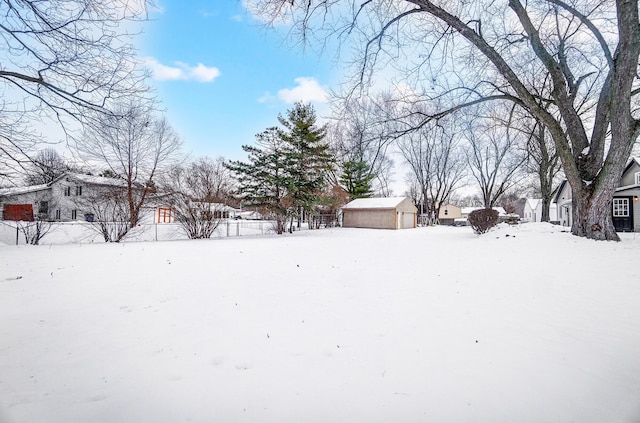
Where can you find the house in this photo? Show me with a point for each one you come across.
(532, 210)
(380, 213)
(64, 199)
(448, 214)
(625, 210)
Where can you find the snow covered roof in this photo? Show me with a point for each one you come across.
(95, 180)
(22, 190)
(374, 203)
(533, 202)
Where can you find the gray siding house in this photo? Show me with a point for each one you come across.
(625, 208)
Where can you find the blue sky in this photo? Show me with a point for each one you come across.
(222, 77)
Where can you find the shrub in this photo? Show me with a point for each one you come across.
(482, 220)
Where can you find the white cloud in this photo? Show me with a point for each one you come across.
(181, 71)
(307, 90)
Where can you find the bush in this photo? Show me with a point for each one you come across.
(482, 220)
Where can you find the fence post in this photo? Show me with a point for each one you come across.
(17, 234)
(228, 224)
(237, 228)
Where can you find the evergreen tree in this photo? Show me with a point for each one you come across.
(356, 179)
(308, 154)
(265, 180)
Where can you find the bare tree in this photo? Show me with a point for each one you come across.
(198, 193)
(358, 136)
(494, 159)
(46, 166)
(544, 162)
(437, 164)
(109, 210)
(62, 61)
(41, 225)
(135, 146)
(589, 48)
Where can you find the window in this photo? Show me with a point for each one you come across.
(67, 191)
(164, 215)
(57, 214)
(43, 208)
(74, 214)
(637, 178)
(79, 190)
(620, 207)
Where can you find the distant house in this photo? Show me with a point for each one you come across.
(380, 213)
(625, 211)
(63, 199)
(532, 210)
(448, 214)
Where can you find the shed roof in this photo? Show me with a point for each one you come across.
(375, 203)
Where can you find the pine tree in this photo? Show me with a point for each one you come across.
(265, 180)
(308, 154)
(356, 179)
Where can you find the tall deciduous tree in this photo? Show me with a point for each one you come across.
(437, 165)
(494, 157)
(358, 135)
(62, 61)
(45, 167)
(472, 52)
(135, 146)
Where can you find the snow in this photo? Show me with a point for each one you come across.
(371, 203)
(526, 323)
(22, 190)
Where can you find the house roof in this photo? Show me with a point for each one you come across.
(22, 190)
(93, 180)
(533, 202)
(632, 160)
(559, 191)
(374, 203)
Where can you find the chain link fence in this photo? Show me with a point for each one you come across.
(11, 233)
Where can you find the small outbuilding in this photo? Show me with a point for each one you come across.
(380, 213)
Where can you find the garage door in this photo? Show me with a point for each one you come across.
(407, 220)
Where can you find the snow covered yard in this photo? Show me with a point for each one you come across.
(524, 324)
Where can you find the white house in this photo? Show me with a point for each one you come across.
(63, 199)
(533, 210)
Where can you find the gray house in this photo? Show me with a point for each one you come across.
(380, 213)
(625, 209)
